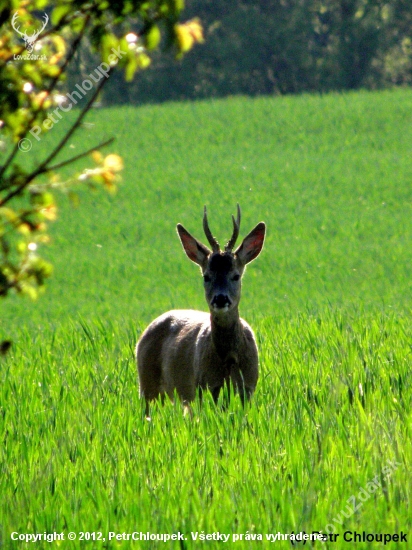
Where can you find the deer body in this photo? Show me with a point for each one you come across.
(183, 350)
(177, 346)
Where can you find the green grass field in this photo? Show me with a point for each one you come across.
(325, 444)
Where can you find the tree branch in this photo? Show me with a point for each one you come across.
(44, 165)
(48, 91)
(77, 157)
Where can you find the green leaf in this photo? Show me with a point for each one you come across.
(152, 38)
(179, 5)
(42, 199)
(131, 68)
(143, 61)
(60, 12)
(108, 42)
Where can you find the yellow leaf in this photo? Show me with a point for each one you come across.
(9, 214)
(189, 33)
(114, 163)
(24, 229)
(184, 38)
(97, 156)
(50, 213)
(196, 30)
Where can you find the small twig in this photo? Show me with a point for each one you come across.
(77, 157)
(69, 134)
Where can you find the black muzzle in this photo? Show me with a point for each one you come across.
(220, 301)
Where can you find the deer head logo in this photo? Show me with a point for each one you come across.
(29, 40)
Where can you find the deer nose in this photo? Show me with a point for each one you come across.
(220, 301)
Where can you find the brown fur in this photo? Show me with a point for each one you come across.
(183, 350)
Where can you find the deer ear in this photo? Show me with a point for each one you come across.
(252, 244)
(195, 250)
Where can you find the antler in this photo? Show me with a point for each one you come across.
(35, 34)
(29, 39)
(212, 241)
(235, 235)
(46, 20)
(13, 23)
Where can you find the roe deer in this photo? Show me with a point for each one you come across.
(184, 350)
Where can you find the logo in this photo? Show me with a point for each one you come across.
(29, 40)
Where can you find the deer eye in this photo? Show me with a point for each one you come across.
(236, 277)
(206, 278)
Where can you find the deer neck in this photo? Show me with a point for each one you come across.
(226, 333)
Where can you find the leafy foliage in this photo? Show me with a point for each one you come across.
(293, 46)
(32, 77)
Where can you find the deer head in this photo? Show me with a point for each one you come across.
(222, 270)
(29, 40)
